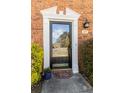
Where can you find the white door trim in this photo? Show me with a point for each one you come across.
(51, 15)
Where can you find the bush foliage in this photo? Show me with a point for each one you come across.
(36, 65)
(88, 60)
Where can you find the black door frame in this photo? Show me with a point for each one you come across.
(70, 30)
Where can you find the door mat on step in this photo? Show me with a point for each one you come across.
(62, 74)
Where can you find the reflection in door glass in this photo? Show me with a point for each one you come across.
(60, 40)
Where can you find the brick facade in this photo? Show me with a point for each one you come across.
(83, 7)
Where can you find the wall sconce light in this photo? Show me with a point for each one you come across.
(85, 26)
(86, 23)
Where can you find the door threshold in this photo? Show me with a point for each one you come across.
(61, 69)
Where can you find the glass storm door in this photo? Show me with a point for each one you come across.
(60, 44)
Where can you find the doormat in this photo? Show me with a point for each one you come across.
(62, 74)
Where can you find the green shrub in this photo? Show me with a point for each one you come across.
(35, 77)
(88, 60)
(36, 66)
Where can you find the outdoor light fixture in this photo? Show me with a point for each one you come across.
(86, 23)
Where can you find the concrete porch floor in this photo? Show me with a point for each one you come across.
(75, 84)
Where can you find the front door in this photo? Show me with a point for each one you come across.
(60, 44)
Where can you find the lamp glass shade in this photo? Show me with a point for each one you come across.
(86, 25)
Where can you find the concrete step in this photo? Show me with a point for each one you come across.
(62, 73)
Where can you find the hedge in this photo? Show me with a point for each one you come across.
(36, 64)
(88, 60)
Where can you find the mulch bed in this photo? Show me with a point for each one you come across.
(37, 87)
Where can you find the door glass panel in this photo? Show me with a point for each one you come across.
(60, 40)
